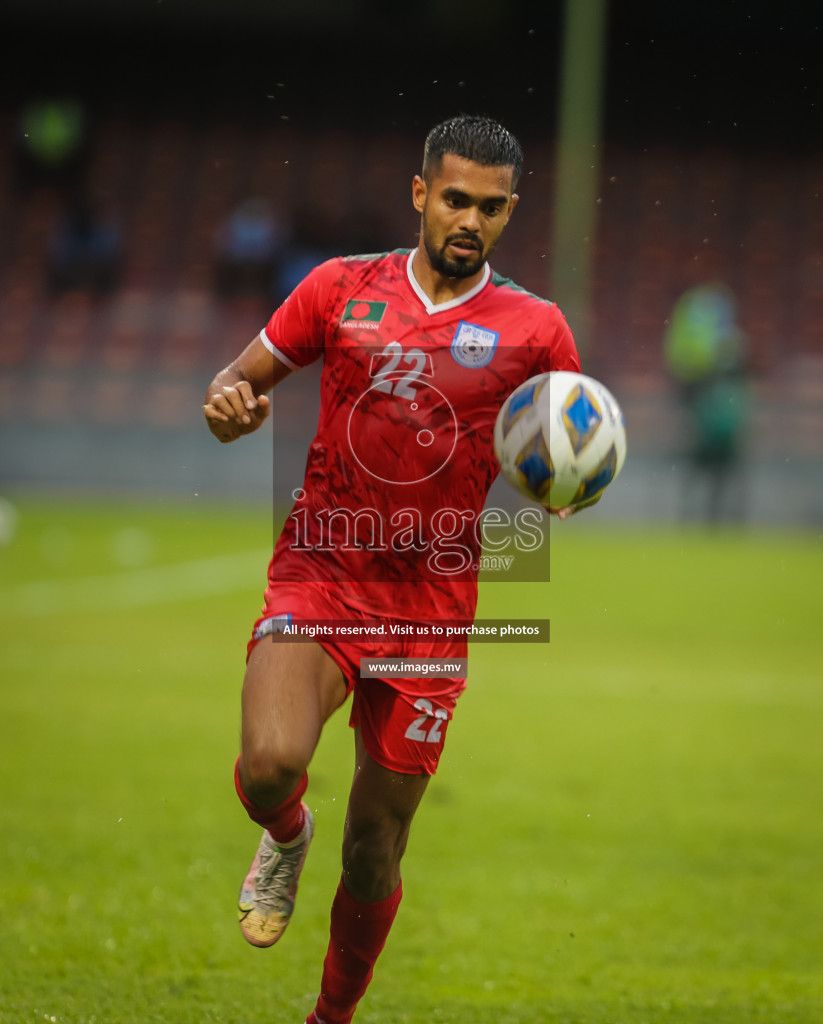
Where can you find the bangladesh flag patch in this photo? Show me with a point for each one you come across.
(363, 313)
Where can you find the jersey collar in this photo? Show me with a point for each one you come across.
(439, 307)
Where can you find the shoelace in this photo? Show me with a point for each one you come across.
(272, 884)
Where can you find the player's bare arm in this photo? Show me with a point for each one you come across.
(236, 401)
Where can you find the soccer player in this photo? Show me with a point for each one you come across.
(420, 349)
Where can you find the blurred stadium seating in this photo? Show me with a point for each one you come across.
(667, 217)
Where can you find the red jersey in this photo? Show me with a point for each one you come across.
(403, 459)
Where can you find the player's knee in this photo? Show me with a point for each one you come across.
(267, 777)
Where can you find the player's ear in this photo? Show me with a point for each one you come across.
(515, 199)
(419, 192)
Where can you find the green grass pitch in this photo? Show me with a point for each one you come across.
(626, 827)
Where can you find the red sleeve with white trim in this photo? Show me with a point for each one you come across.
(296, 332)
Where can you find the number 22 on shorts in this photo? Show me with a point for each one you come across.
(416, 730)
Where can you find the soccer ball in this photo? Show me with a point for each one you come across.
(560, 438)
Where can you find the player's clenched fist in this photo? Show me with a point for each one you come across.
(232, 410)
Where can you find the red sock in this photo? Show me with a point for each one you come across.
(283, 822)
(358, 934)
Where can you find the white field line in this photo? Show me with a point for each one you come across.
(163, 584)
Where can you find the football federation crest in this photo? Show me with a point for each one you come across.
(473, 346)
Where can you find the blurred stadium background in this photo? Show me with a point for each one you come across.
(710, 165)
(670, 735)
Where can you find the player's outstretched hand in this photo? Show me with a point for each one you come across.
(232, 410)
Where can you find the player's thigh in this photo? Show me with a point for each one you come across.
(289, 692)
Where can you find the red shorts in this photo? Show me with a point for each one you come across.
(402, 721)
(401, 732)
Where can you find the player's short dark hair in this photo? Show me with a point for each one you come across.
(476, 138)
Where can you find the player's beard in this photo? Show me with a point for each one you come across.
(448, 267)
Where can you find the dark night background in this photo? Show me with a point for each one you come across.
(745, 73)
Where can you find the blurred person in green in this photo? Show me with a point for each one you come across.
(706, 353)
(52, 144)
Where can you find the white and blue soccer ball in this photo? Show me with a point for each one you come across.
(560, 438)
